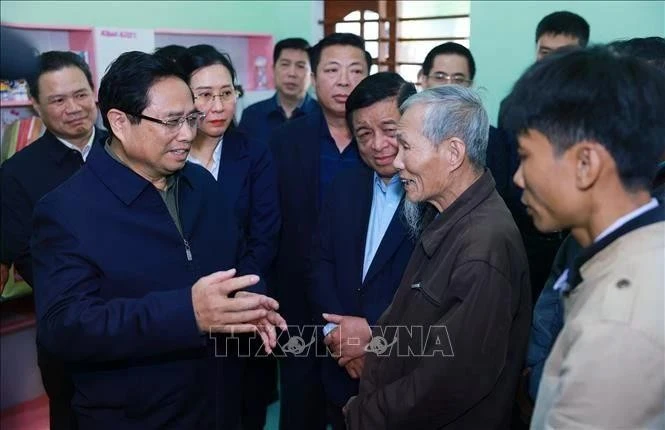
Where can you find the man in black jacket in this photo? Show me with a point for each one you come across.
(62, 94)
(309, 152)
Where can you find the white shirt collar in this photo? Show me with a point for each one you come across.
(86, 149)
(562, 281)
(216, 157)
(624, 219)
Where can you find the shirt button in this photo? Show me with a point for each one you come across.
(623, 283)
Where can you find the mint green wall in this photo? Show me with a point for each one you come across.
(279, 18)
(503, 32)
(416, 8)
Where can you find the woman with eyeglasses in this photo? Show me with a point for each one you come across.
(247, 180)
(244, 169)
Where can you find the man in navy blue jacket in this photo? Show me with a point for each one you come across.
(62, 93)
(291, 70)
(133, 261)
(309, 152)
(363, 242)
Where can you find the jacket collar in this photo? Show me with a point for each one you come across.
(307, 105)
(439, 228)
(235, 146)
(652, 216)
(58, 151)
(126, 184)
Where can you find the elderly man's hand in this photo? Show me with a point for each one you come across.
(355, 367)
(4, 276)
(349, 339)
(266, 326)
(216, 311)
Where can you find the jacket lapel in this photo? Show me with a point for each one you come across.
(362, 213)
(391, 241)
(58, 150)
(308, 157)
(54, 147)
(100, 137)
(233, 166)
(188, 202)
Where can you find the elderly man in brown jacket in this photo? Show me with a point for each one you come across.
(449, 349)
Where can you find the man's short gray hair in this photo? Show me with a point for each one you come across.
(454, 111)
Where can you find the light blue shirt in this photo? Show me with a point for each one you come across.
(385, 200)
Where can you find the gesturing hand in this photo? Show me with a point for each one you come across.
(266, 326)
(215, 311)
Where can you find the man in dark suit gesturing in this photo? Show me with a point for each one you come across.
(364, 244)
(133, 261)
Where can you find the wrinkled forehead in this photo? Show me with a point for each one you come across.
(383, 110)
(65, 78)
(411, 121)
(170, 96)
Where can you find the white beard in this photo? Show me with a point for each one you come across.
(413, 215)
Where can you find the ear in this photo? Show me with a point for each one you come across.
(456, 152)
(119, 123)
(422, 79)
(36, 106)
(589, 162)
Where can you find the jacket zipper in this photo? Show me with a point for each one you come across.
(188, 250)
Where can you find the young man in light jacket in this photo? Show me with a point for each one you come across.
(590, 138)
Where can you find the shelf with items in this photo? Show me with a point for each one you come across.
(61, 38)
(15, 103)
(251, 54)
(9, 117)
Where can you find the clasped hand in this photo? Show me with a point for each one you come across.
(347, 342)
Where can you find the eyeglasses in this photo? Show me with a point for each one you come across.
(175, 124)
(441, 78)
(207, 97)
